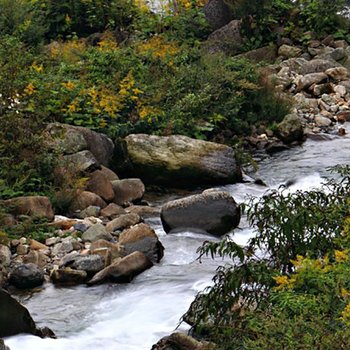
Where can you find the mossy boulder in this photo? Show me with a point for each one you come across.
(178, 161)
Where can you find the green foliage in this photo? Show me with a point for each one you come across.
(22, 19)
(296, 294)
(25, 164)
(265, 23)
(299, 223)
(81, 17)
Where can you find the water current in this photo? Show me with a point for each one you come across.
(134, 316)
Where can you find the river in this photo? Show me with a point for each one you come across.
(134, 316)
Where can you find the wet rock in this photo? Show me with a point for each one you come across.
(3, 346)
(89, 263)
(142, 238)
(343, 116)
(127, 190)
(122, 222)
(177, 341)
(14, 317)
(123, 270)
(68, 276)
(35, 206)
(180, 161)
(26, 276)
(212, 211)
(96, 232)
(115, 249)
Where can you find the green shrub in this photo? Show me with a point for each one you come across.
(296, 295)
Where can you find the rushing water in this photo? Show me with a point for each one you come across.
(134, 316)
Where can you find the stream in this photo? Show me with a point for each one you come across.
(134, 316)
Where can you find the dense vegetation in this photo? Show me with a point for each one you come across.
(289, 287)
(118, 67)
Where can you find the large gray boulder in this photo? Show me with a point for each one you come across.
(70, 139)
(123, 270)
(212, 211)
(14, 317)
(180, 161)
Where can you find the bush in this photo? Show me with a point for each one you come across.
(296, 296)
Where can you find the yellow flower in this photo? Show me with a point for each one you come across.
(30, 89)
(341, 256)
(72, 108)
(284, 282)
(298, 262)
(345, 315)
(159, 48)
(69, 85)
(37, 68)
(344, 293)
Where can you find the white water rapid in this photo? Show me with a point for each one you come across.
(134, 316)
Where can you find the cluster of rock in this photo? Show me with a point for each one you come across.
(319, 80)
(113, 246)
(314, 77)
(88, 252)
